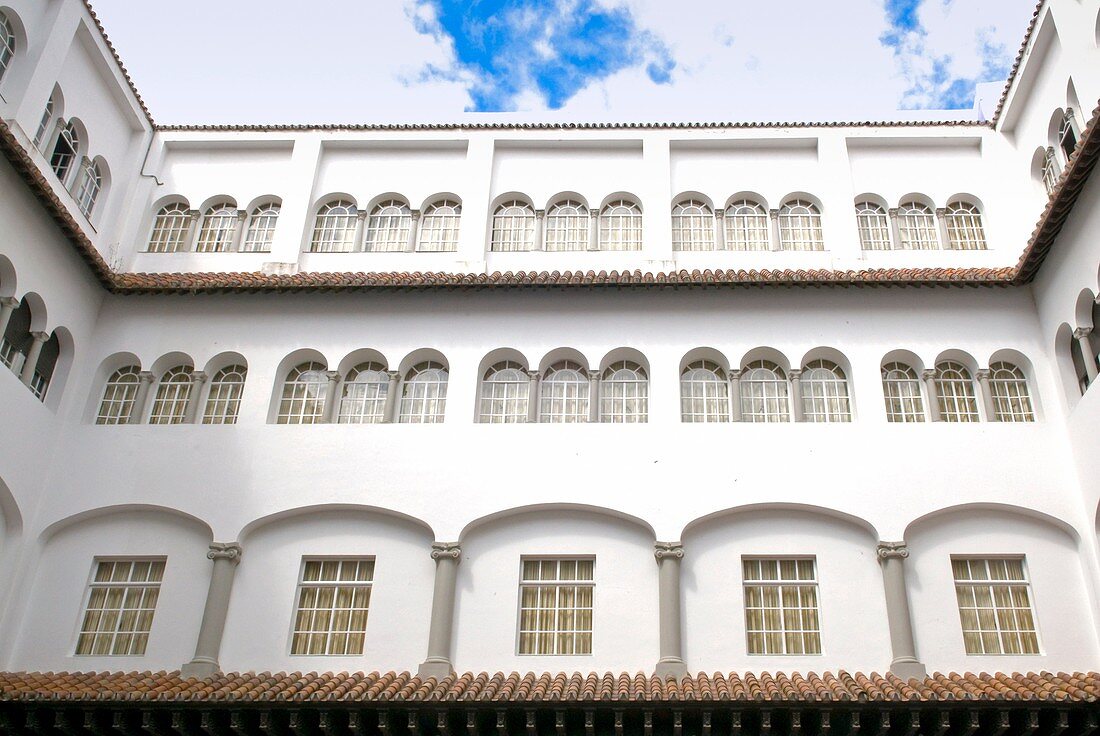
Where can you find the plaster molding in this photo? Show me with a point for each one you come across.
(225, 551)
(441, 550)
(892, 550)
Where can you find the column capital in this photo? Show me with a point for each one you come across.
(332, 375)
(193, 214)
(361, 215)
(774, 214)
(1081, 333)
(734, 375)
(446, 549)
(892, 550)
(146, 376)
(593, 212)
(199, 376)
(592, 375)
(535, 375)
(893, 212)
(225, 551)
(941, 212)
(795, 374)
(393, 375)
(414, 214)
(662, 550)
(40, 336)
(720, 213)
(928, 374)
(9, 301)
(242, 215)
(540, 214)
(983, 374)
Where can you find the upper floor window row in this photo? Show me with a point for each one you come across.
(218, 228)
(915, 225)
(65, 143)
(567, 225)
(390, 226)
(747, 225)
(178, 396)
(7, 44)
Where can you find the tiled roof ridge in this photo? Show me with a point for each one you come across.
(548, 687)
(118, 60)
(1017, 63)
(550, 125)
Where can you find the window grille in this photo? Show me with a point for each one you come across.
(747, 226)
(64, 152)
(303, 400)
(261, 228)
(621, 226)
(363, 399)
(995, 606)
(825, 393)
(692, 226)
(118, 616)
(170, 229)
(333, 601)
(1050, 171)
(173, 393)
(90, 186)
(223, 403)
(1011, 398)
(117, 404)
(956, 393)
(1067, 135)
(44, 122)
(704, 393)
(334, 228)
(964, 227)
(781, 607)
(917, 227)
(624, 394)
(555, 609)
(219, 225)
(567, 227)
(563, 394)
(764, 393)
(438, 231)
(874, 227)
(902, 389)
(504, 394)
(800, 226)
(513, 227)
(388, 228)
(7, 45)
(424, 395)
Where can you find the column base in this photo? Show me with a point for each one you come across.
(200, 669)
(671, 668)
(437, 668)
(908, 669)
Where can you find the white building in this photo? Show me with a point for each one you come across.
(833, 376)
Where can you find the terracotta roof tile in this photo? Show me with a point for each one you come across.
(118, 60)
(551, 126)
(1017, 62)
(392, 687)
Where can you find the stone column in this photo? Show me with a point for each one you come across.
(986, 391)
(540, 217)
(438, 664)
(905, 663)
(719, 229)
(533, 397)
(671, 664)
(593, 396)
(773, 230)
(1081, 335)
(734, 378)
(8, 305)
(38, 339)
(414, 225)
(239, 232)
(895, 231)
(796, 394)
(593, 229)
(332, 397)
(933, 403)
(145, 381)
(198, 378)
(357, 244)
(188, 243)
(390, 415)
(941, 228)
(226, 556)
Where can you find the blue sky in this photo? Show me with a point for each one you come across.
(387, 60)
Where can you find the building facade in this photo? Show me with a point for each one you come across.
(823, 388)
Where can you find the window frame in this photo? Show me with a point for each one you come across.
(620, 414)
(807, 226)
(695, 218)
(320, 402)
(780, 583)
(91, 185)
(972, 413)
(965, 226)
(172, 394)
(171, 227)
(913, 412)
(389, 227)
(556, 583)
(259, 231)
(133, 388)
(513, 227)
(873, 224)
(361, 416)
(719, 417)
(493, 409)
(9, 45)
(784, 397)
(335, 232)
(739, 224)
(834, 393)
(578, 417)
(218, 228)
(446, 224)
(989, 582)
(296, 605)
(620, 231)
(223, 404)
(91, 585)
(1000, 394)
(439, 399)
(917, 226)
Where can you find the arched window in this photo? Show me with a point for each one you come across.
(64, 152)
(567, 226)
(261, 228)
(170, 228)
(825, 393)
(173, 393)
(424, 395)
(1011, 397)
(747, 226)
(219, 225)
(874, 228)
(16, 340)
(917, 227)
(438, 231)
(388, 228)
(692, 226)
(621, 226)
(1067, 134)
(303, 400)
(117, 404)
(800, 226)
(7, 45)
(43, 369)
(764, 393)
(90, 186)
(363, 400)
(504, 393)
(563, 394)
(624, 394)
(44, 122)
(1050, 171)
(513, 227)
(704, 393)
(964, 227)
(223, 403)
(956, 393)
(334, 228)
(902, 389)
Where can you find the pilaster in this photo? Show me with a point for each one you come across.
(226, 556)
(905, 663)
(441, 632)
(671, 662)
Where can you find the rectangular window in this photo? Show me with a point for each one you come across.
(122, 597)
(781, 614)
(555, 606)
(995, 606)
(333, 599)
